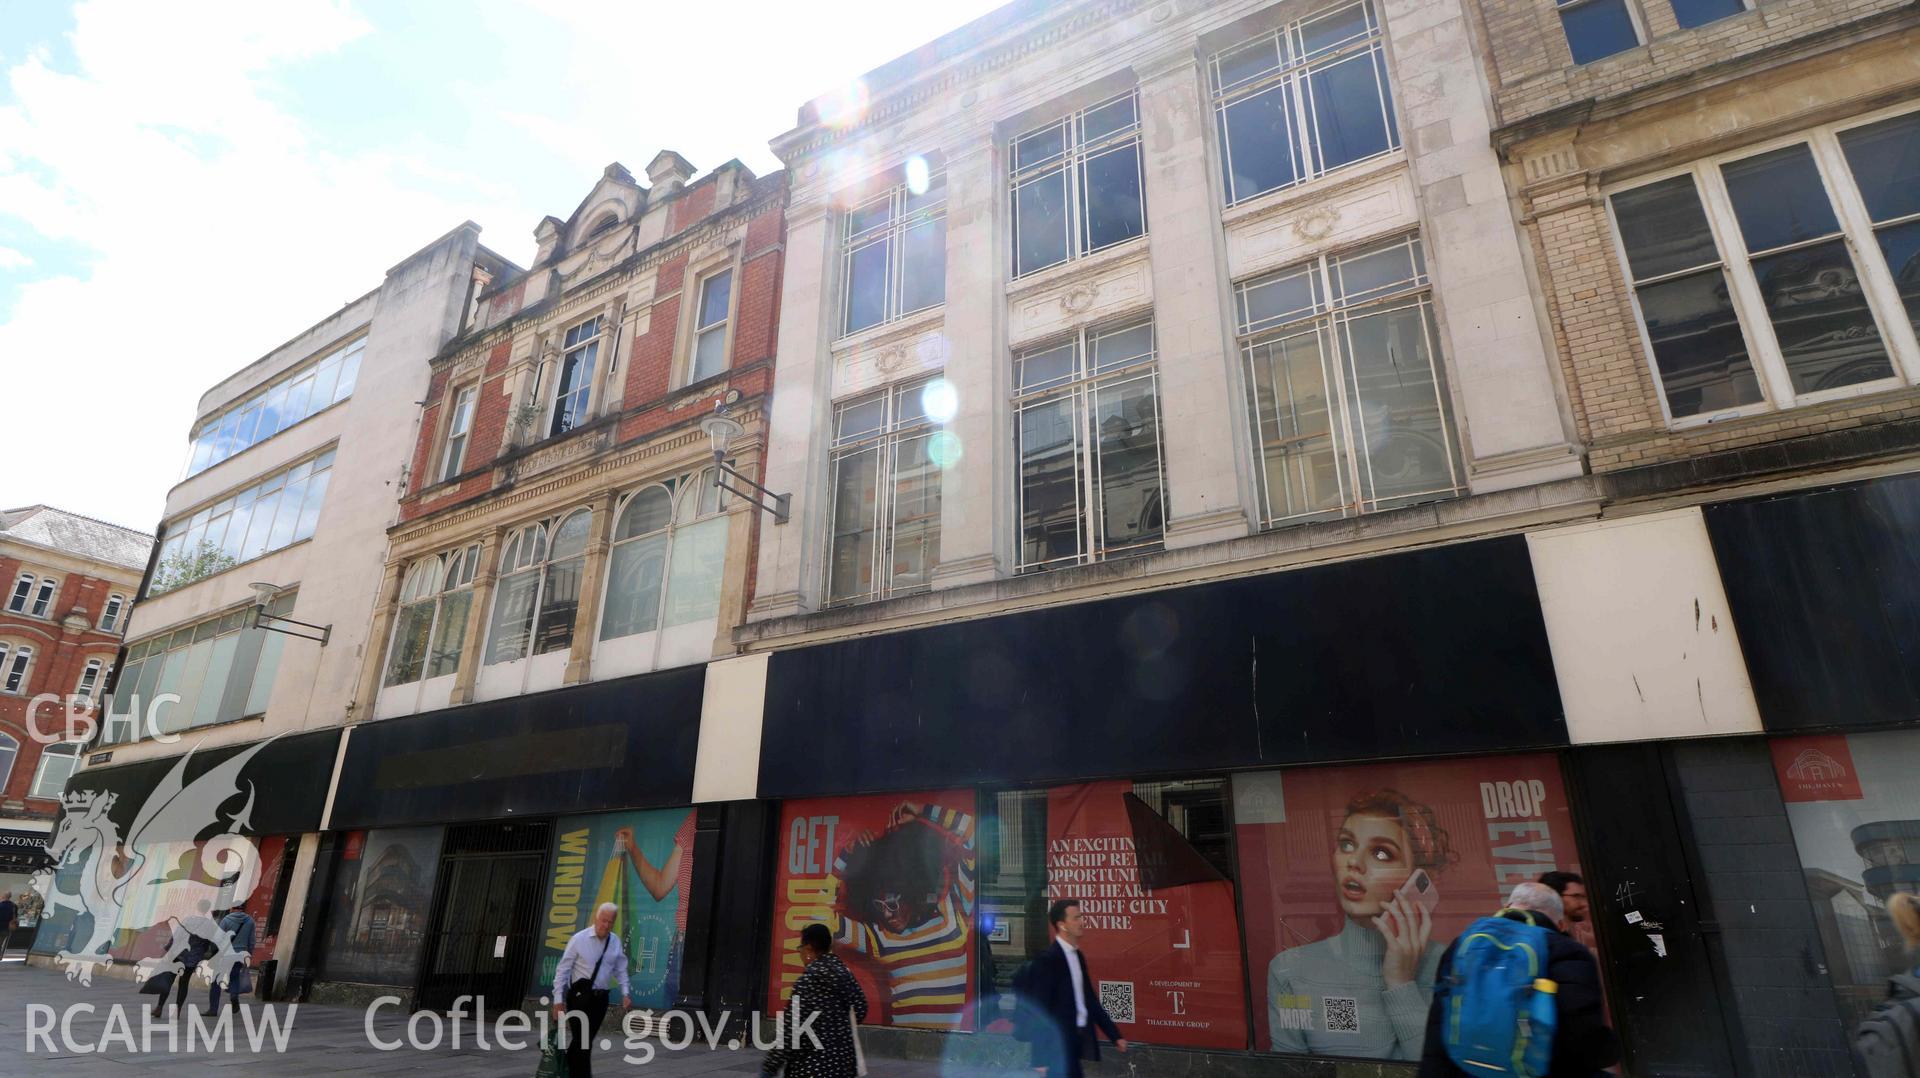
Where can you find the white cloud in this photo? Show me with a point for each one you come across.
(12, 259)
(214, 216)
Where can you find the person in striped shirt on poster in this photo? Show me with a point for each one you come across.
(906, 904)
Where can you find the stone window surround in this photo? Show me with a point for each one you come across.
(445, 469)
(888, 182)
(1635, 17)
(1896, 330)
(724, 258)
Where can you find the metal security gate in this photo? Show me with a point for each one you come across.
(486, 915)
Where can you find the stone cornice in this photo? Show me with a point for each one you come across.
(504, 502)
(1661, 91)
(816, 136)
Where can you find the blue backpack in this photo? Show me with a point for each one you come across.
(1499, 1005)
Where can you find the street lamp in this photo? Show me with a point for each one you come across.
(721, 429)
(273, 623)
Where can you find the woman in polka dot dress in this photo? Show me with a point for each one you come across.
(827, 990)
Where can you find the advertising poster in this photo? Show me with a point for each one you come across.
(1355, 879)
(641, 862)
(893, 876)
(145, 930)
(1162, 938)
(1854, 807)
(380, 908)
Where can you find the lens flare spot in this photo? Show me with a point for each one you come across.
(940, 401)
(943, 449)
(846, 106)
(918, 174)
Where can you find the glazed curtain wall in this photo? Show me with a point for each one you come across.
(936, 899)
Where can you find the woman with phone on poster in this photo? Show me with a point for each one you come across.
(1365, 991)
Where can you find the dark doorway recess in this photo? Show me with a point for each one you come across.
(486, 915)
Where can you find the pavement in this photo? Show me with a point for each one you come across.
(103, 1030)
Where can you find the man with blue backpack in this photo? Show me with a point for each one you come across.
(1515, 995)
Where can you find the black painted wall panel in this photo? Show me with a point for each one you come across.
(619, 744)
(1422, 653)
(288, 777)
(1825, 592)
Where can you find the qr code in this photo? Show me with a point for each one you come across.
(1117, 998)
(1342, 1015)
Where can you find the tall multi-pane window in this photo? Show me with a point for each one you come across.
(459, 429)
(278, 511)
(15, 661)
(1884, 159)
(1087, 431)
(573, 388)
(110, 618)
(9, 752)
(43, 598)
(538, 594)
(266, 412)
(1076, 185)
(886, 492)
(1302, 100)
(1597, 29)
(710, 326)
(668, 559)
(1346, 390)
(22, 594)
(56, 767)
(436, 596)
(213, 671)
(893, 251)
(90, 679)
(1782, 277)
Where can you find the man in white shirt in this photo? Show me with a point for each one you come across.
(593, 953)
(1055, 989)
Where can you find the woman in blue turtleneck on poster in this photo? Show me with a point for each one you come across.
(1364, 991)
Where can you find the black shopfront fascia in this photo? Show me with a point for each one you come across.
(286, 776)
(1427, 653)
(622, 744)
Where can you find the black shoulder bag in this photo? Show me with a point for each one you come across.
(581, 990)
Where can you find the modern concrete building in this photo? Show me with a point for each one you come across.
(249, 633)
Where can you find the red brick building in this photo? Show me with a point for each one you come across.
(69, 581)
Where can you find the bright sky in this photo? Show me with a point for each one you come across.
(185, 186)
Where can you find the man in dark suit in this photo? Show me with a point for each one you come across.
(1059, 1005)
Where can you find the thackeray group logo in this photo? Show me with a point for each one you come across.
(87, 844)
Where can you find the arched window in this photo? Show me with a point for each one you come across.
(43, 599)
(22, 591)
(539, 590)
(669, 549)
(9, 750)
(56, 767)
(14, 666)
(90, 679)
(604, 225)
(110, 619)
(435, 599)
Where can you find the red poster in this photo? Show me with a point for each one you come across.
(1335, 861)
(893, 876)
(1817, 768)
(1167, 957)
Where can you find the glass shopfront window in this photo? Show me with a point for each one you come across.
(1855, 811)
(1333, 863)
(378, 914)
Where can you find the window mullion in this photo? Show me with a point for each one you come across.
(1856, 225)
(1744, 288)
(883, 520)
